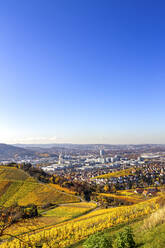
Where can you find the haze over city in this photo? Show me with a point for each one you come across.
(82, 72)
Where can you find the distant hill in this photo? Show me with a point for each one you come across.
(9, 151)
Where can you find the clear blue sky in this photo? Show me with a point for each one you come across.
(82, 71)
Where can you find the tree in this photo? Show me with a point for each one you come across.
(98, 240)
(6, 219)
(29, 211)
(13, 214)
(125, 239)
(113, 189)
(86, 195)
(106, 188)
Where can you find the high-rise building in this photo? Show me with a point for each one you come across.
(60, 160)
(102, 152)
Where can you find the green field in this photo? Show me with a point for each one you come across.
(70, 211)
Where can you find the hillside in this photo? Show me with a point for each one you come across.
(16, 186)
(50, 217)
(72, 231)
(9, 151)
(153, 237)
(69, 224)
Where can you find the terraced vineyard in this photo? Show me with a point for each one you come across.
(120, 173)
(68, 223)
(63, 189)
(144, 238)
(12, 174)
(69, 211)
(51, 217)
(127, 199)
(70, 232)
(17, 187)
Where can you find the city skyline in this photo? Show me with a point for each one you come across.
(82, 72)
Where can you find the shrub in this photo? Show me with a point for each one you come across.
(125, 239)
(98, 240)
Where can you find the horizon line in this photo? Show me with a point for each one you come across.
(68, 143)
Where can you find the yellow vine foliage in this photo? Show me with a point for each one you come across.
(64, 189)
(16, 186)
(68, 233)
(120, 173)
(122, 197)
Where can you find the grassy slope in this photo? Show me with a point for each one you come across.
(17, 187)
(144, 238)
(154, 238)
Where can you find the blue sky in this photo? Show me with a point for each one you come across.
(86, 71)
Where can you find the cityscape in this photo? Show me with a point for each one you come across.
(82, 124)
(88, 163)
